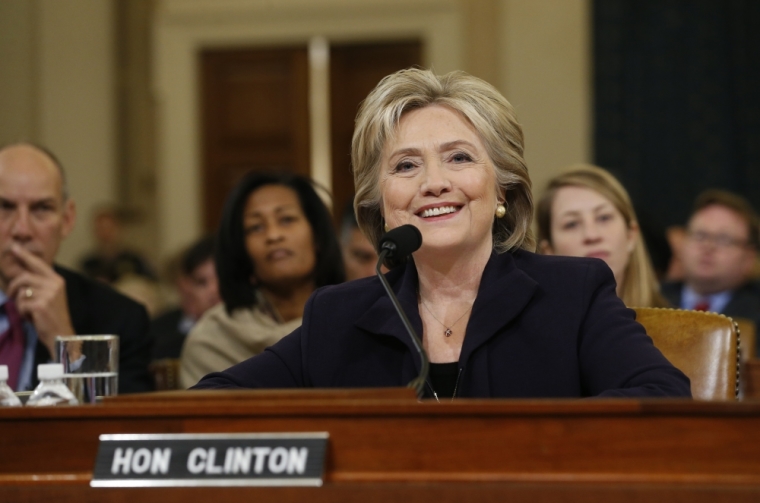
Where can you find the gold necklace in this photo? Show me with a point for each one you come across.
(448, 331)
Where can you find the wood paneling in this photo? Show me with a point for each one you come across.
(354, 71)
(392, 448)
(255, 116)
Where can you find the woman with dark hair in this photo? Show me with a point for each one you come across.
(274, 247)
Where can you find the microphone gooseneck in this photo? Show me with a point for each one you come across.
(399, 243)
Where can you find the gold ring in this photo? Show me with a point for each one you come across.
(28, 293)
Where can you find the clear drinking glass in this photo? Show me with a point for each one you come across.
(90, 365)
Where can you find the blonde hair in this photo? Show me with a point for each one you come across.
(479, 103)
(640, 287)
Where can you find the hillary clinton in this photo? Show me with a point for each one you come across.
(445, 154)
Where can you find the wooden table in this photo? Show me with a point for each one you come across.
(386, 446)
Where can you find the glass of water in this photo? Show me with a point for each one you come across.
(90, 365)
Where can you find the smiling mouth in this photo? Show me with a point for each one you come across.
(441, 210)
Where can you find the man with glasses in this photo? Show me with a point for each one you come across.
(718, 258)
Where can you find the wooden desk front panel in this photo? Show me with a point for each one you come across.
(402, 447)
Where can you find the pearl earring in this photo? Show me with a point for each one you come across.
(386, 227)
(501, 210)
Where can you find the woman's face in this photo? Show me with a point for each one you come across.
(436, 175)
(278, 237)
(586, 224)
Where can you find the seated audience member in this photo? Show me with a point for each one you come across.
(445, 154)
(275, 245)
(586, 212)
(359, 255)
(198, 291)
(718, 256)
(127, 271)
(40, 300)
(111, 260)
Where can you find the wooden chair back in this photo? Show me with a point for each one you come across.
(165, 373)
(705, 346)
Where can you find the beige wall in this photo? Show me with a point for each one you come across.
(57, 63)
(545, 72)
(17, 82)
(57, 86)
(483, 35)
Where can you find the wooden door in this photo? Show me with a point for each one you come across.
(255, 116)
(355, 70)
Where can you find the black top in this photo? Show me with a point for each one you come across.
(443, 378)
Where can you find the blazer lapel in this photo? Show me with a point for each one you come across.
(381, 318)
(504, 292)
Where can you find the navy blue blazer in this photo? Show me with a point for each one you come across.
(540, 327)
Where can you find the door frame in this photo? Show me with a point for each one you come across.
(182, 28)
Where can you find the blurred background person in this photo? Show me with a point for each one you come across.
(359, 255)
(276, 244)
(198, 288)
(111, 260)
(718, 256)
(586, 212)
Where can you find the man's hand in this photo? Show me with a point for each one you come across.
(40, 294)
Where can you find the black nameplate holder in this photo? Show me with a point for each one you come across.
(195, 460)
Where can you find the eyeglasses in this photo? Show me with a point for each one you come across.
(719, 240)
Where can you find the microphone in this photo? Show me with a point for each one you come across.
(401, 241)
(398, 243)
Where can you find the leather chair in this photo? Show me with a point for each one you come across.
(705, 346)
(750, 380)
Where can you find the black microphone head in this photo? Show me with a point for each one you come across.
(401, 241)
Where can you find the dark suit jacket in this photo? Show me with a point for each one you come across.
(165, 335)
(96, 308)
(744, 303)
(540, 327)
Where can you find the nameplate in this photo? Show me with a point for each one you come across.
(194, 460)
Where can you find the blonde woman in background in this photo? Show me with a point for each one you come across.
(586, 212)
